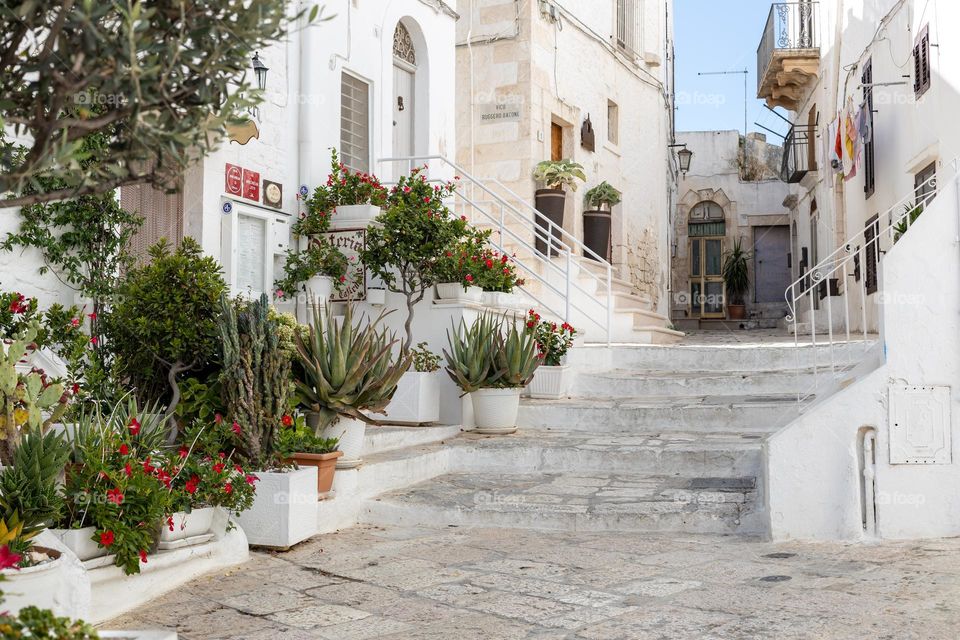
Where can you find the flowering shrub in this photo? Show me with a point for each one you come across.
(319, 258)
(296, 437)
(343, 188)
(554, 341)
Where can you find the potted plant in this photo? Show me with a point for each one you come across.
(458, 270)
(411, 234)
(256, 388)
(736, 279)
(498, 278)
(300, 445)
(354, 198)
(492, 361)
(553, 340)
(347, 371)
(417, 399)
(312, 274)
(551, 199)
(598, 204)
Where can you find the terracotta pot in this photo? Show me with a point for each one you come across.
(326, 464)
(736, 311)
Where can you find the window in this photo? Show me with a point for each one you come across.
(869, 166)
(354, 123)
(162, 217)
(921, 62)
(628, 25)
(613, 122)
(925, 185)
(870, 241)
(706, 210)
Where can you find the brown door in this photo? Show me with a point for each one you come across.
(556, 142)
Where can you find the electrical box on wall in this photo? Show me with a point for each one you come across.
(920, 425)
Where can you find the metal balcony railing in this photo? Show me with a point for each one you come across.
(798, 153)
(790, 25)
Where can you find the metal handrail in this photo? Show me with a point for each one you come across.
(565, 250)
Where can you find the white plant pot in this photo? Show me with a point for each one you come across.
(550, 382)
(495, 410)
(454, 292)
(501, 300)
(81, 542)
(317, 290)
(38, 585)
(416, 401)
(377, 296)
(284, 511)
(353, 216)
(350, 431)
(188, 525)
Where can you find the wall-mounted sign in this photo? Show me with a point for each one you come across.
(251, 185)
(499, 112)
(351, 242)
(272, 194)
(233, 180)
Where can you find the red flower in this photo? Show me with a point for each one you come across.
(106, 538)
(143, 556)
(464, 218)
(124, 449)
(93, 340)
(287, 420)
(115, 496)
(343, 278)
(426, 199)
(217, 418)
(191, 484)
(228, 488)
(218, 468)
(235, 428)
(127, 470)
(147, 467)
(134, 426)
(164, 477)
(531, 324)
(469, 278)
(184, 452)
(489, 263)
(170, 522)
(8, 559)
(74, 322)
(92, 316)
(506, 271)
(238, 468)
(250, 478)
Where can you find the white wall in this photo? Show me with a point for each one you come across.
(812, 464)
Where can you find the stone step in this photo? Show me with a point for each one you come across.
(623, 383)
(392, 437)
(573, 502)
(719, 413)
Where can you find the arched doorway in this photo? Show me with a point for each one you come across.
(404, 85)
(706, 228)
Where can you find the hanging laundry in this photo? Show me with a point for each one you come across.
(865, 123)
(834, 147)
(850, 143)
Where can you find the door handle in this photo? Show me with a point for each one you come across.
(400, 106)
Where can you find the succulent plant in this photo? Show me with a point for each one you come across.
(491, 353)
(30, 403)
(348, 369)
(516, 356)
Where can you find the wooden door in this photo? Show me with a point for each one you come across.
(556, 142)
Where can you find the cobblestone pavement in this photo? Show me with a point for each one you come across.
(415, 584)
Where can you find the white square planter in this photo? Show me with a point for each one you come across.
(550, 382)
(353, 216)
(80, 542)
(284, 511)
(416, 401)
(454, 292)
(501, 300)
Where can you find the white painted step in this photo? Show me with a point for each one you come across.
(391, 437)
(623, 383)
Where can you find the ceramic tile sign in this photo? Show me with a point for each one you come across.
(251, 185)
(272, 194)
(233, 180)
(499, 112)
(351, 242)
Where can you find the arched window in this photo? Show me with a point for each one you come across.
(706, 211)
(403, 45)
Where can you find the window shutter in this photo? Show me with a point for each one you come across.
(162, 215)
(354, 123)
(921, 62)
(869, 164)
(871, 241)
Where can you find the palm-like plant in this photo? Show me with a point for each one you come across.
(736, 272)
(347, 369)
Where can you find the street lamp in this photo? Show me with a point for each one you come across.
(260, 70)
(683, 156)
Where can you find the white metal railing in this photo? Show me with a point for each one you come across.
(499, 211)
(858, 259)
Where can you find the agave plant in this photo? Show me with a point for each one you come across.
(516, 357)
(347, 369)
(491, 353)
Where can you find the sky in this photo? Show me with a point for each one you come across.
(719, 35)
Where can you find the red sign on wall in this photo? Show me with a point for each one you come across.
(251, 185)
(233, 180)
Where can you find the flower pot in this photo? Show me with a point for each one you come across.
(39, 585)
(350, 431)
(551, 203)
(81, 542)
(495, 410)
(326, 464)
(502, 300)
(353, 216)
(550, 382)
(197, 523)
(596, 233)
(736, 311)
(284, 510)
(416, 400)
(317, 290)
(455, 292)
(377, 296)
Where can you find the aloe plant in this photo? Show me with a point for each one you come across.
(491, 353)
(516, 356)
(348, 369)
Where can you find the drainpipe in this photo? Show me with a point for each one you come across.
(868, 498)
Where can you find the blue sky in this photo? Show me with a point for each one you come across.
(719, 35)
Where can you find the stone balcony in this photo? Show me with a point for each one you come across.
(788, 58)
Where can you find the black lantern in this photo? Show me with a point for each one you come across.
(684, 156)
(260, 70)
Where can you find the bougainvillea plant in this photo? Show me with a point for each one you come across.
(552, 339)
(343, 188)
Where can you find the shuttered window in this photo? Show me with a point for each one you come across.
(921, 62)
(162, 217)
(869, 165)
(354, 123)
(871, 240)
(628, 25)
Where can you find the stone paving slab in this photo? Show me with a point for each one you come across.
(424, 584)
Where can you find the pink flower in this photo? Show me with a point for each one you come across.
(94, 340)
(235, 428)
(115, 496)
(75, 322)
(469, 278)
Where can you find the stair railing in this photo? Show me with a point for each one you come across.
(489, 207)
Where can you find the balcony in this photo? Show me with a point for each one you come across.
(788, 58)
(799, 153)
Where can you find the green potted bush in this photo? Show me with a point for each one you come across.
(300, 445)
(553, 341)
(417, 399)
(351, 198)
(736, 279)
(313, 272)
(551, 199)
(458, 269)
(492, 360)
(347, 372)
(598, 205)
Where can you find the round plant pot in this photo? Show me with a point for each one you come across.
(38, 585)
(81, 542)
(326, 464)
(188, 525)
(596, 233)
(350, 431)
(495, 410)
(736, 311)
(551, 203)
(455, 292)
(316, 290)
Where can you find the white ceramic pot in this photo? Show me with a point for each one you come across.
(416, 401)
(188, 525)
(350, 431)
(81, 542)
(284, 510)
(495, 410)
(501, 300)
(455, 292)
(38, 585)
(353, 216)
(317, 290)
(550, 382)
(377, 296)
